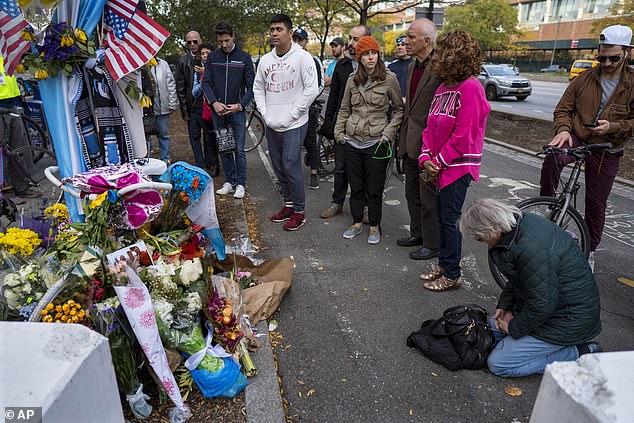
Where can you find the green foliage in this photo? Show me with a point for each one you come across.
(620, 14)
(249, 19)
(492, 22)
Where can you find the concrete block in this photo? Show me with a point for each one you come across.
(594, 389)
(64, 368)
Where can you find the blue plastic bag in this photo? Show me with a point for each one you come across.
(225, 383)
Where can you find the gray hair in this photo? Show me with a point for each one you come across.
(366, 29)
(426, 28)
(487, 216)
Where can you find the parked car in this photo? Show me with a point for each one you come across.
(515, 68)
(553, 68)
(580, 66)
(502, 81)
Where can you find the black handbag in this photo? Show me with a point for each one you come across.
(149, 124)
(224, 138)
(460, 339)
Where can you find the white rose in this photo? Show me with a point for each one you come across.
(191, 270)
(12, 299)
(193, 303)
(12, 280)
(163, 309)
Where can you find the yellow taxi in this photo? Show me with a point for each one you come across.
(579, 66)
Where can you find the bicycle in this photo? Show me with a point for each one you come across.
(395, 165)
(561, 209)
(35, 134)
(256, 129)
(26, 165)
(326, 152)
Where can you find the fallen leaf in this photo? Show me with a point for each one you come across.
(320, 268)
(513, 391)
(434, 374)
(287, 347)
(301, 382)
(300, 394)
(309, 393)
(410, 413)
(344, 380)
(272, 325)
(365, 289)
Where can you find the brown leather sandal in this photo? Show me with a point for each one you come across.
(443, 284)
(435, 273)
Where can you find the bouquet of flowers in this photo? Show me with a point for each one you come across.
(220, 313)
(19, 242)
(23, 289)
(61, 50)
(245, 279)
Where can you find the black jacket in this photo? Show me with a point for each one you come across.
(184, 84)
(229, 77)
(551, 289)
(340, 75)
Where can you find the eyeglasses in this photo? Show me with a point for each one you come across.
(192, 41)
(613, 59)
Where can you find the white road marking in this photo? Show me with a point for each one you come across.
(515, 186)
(265, 161)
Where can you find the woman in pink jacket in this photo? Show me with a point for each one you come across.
(452, 146)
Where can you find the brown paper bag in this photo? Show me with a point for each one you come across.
(274, 279)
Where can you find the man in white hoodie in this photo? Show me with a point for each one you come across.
(285, 86)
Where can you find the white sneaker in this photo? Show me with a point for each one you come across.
(591, 261)
(226, 189)
(239, 192)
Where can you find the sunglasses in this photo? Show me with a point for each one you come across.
(613, 59)
(400, 40)
(192, 41)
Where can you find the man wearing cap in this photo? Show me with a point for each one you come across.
(311, 159)
(340, 75)
(597, 107)
(399, 66)
(336, 46)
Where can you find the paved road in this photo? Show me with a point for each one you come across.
(540, 104)
(343, 356)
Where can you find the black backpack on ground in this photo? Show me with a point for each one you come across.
(460, 339)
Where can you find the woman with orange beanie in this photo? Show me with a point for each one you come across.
(365, 128)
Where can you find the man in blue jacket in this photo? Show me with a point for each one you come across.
(228, 86)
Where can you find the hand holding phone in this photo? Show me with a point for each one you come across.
(590, 125)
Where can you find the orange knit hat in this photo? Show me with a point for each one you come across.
(367, 43)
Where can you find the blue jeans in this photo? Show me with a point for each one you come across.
(449, 207)
(163, 125)
(285, 150)
(234, 164)
(525, 356)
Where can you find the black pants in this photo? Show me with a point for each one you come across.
(421, 204)
(310, 141)
(208, 155)
(14, 134)
(341, 177)
(367, 179)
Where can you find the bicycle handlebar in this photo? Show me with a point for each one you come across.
(580, 151)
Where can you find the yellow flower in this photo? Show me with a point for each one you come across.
(56, 211)
(27, 35)
(24, 3)
(67, 41)
(19, 241)
(20, 68)
(41, 74)
(145, 101)
(152, 62)
(99, 200)
(80, 35)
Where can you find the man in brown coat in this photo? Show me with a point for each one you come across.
(597, 107)
(420, 89)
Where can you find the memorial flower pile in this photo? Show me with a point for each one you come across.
(19, 242)
(67, 312)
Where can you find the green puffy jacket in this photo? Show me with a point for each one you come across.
(551, 289)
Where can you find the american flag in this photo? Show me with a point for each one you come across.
(12, 45)
(131, 37)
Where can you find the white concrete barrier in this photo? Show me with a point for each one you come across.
(597, 388)
(66, 369)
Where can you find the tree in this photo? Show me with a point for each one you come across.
(318, 16)
(492, 22)
(367, 9)
(249, 19)
(620, 14)
(389, 38)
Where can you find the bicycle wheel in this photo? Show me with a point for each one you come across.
(28, 163)
(36, 135)
(326, 155)
(548, 207)
(256, 130)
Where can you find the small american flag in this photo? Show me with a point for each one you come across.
(12, 45)
(131, 37)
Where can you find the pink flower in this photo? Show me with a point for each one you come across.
(134, 298)
(147, 319)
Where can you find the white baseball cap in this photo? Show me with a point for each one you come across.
(616, 35)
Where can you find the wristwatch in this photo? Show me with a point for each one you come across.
(240, 106)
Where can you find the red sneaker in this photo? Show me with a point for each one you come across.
(296, 221)
(283, 215)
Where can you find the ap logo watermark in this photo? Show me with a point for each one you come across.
(23, 414)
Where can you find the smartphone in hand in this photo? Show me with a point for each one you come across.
(590, 125)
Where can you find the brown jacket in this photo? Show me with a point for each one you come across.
(580, 104)
(364, 111)
(416, 111)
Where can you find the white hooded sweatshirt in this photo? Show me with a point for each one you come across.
(285, 87)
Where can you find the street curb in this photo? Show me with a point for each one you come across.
(262, 394)
(532, 153)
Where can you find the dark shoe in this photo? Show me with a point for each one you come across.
(331, 211)
(423, 253)
(314, 182)
(409, 241)
(283, 215)
(589, 348)
(296, 221)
